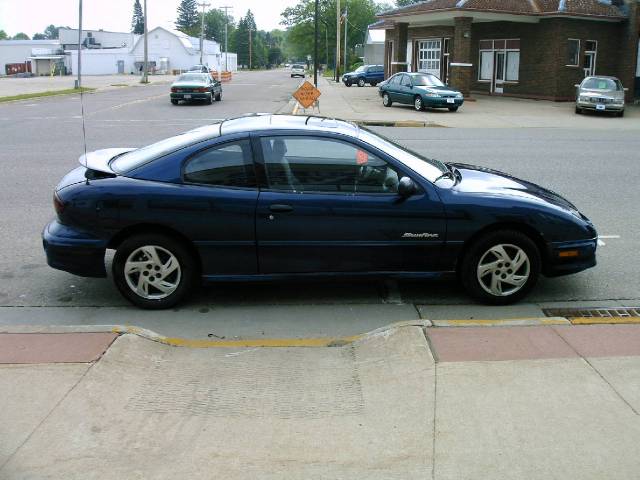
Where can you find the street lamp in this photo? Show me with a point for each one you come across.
(203, 5)
(226, 36)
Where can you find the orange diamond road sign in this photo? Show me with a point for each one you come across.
(307, 94)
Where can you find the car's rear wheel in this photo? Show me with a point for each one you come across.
(453, 109)
(501, 267)
(386, 101)
(417, 103)
(361, 82)
(348, 83)
(154, 271)
(174, 102)
(373, 84)
(219, 97)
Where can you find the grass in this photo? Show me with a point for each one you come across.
(49, 93)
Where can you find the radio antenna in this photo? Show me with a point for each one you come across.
(79, 80)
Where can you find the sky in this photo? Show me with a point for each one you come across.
(33, 16)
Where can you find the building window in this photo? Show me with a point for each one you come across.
(429, 52)
(513, 66)
(486, 65)
(573, 52)
(499, 60)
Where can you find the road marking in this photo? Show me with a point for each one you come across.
(601, 238)
(603, 320)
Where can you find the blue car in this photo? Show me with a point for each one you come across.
(371, 74)
(422, 90)
(268, 197)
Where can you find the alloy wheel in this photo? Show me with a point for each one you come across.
(503, 270)
(417, 104)
(152, 272)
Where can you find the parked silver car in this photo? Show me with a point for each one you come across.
(601, 94)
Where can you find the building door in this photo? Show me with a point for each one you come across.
(589, 61)
(429, 56)
(499, 72)
(120, 67)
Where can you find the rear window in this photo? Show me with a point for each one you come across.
(136, 158)
(193, 77)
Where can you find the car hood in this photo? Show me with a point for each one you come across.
(601, 93)
(491, 182)
(440, 90)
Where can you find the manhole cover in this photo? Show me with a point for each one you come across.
(593, 312)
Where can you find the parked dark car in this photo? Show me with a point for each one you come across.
(422, 90)
(269, 197)
(196, 86)
(371, 74)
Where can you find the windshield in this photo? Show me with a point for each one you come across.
(601, 84)
(192, 77)
(136, 158)
(427, 81)
(361, 68)
(426, 167)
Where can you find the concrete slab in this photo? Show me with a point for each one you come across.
(28, 393)
(152, 411)
(459, 312)
(534, 420)
(622, 373)
(502, 343)
(53, 348)
(602, 340)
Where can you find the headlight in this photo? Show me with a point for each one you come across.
(618, 101)
(432, 94)
(583, 98)
(458, 95)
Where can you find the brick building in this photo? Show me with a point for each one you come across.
(524, 48)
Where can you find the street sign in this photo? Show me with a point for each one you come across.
(307, 94)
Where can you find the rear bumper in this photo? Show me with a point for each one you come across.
(191, 96)
(558, 265)
(73, 251)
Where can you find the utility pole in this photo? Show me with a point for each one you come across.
(203, 5)
(145, 68)
(346, 20)
(337, 41)
(79, 80)
(315, 48)
(250, 45)
(226, 36)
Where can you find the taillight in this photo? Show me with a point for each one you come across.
(174, 90)
(58, 204)
(201, 90)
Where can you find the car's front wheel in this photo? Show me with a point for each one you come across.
(361, 82)
(386, 100)
(174, 102)
(453, 109)
(219, 97)
(417, 103)
(154, 271)
(578, 110)
(501, 267)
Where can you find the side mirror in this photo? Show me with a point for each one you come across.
(406, 187)
(577, 85)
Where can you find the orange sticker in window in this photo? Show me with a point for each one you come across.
(362, 157)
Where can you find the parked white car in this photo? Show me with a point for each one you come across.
(297, 70)
(601, 94)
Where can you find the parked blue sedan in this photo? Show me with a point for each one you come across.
(422, 90)
(268, 197)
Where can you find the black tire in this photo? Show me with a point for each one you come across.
(219, 97)
(361, 82)
(453, 109)
(621, 113)
(418, 104)
(185, 279)
(373, 84)
(578, 111)
(386, 100)
(348, 83)
(209, 99)
(174, 102)
(469, 266)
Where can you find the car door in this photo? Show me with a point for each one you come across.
(331, 205)
(393, 88)
(405, 90)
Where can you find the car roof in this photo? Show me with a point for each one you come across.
(258, 122)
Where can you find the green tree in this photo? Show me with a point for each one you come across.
(39, 36)
(21, 36)
(241, 37)
(187, 21)
(404, 3)
(214, 21)
(51, 32)
(3, 35)
(137, 21)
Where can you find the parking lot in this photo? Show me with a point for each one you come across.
(42, 139)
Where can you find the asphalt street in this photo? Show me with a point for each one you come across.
(40, 140)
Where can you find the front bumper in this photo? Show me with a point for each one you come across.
(191, 96)
(608, 107)
(73, 251)
(441, 102)
(584, 257)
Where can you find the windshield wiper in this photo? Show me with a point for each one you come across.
(448, 174)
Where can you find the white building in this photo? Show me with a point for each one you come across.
(105, 53)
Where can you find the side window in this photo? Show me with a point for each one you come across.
(312, 164)
(395, 80)
(228, 165)
(406, 81)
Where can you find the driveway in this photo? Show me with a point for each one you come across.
(482, 111)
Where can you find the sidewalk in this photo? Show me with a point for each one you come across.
(406, 402)
(365, 105)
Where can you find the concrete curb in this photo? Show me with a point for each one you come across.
(503, 322)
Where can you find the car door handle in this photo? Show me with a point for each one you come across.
(280, 208)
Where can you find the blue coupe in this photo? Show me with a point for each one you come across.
(268, 197)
